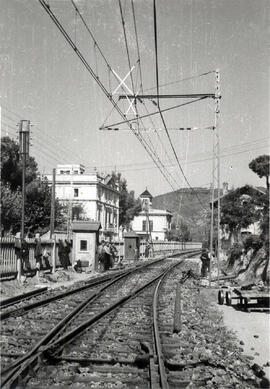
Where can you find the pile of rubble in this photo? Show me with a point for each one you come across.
(209, 355)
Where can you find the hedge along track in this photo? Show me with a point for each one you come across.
(52, 350)
(9, 372)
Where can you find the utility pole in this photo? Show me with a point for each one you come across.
(216, 177)
(52, 205)
(24, 130)
(217, 114)
(70, 206)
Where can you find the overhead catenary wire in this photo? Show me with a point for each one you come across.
(142, 140)
(137, 44)
(180, 80)
(92, 73)
(141, 79)
(158, 105)
(156, 112)
(149, 142)
(48, 139)
(145, 167)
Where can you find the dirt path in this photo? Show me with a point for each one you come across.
(253, 330)
(245, 325)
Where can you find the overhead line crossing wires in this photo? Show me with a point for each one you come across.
(141, 83)
(92, 73)
(153, 150)
(140, 137)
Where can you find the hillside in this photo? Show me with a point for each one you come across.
(185, 206)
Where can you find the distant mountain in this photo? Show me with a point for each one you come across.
(185, 206)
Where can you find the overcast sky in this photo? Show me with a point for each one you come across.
(42, 79)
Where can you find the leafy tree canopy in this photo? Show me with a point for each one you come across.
(260, 166)
(11, 165)
(38, 192)
(239, 208)
(179, 233)
(129, 206)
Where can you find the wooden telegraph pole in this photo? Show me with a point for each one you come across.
(216, 178)
(52, 205)
(24, 130)
(52, 222)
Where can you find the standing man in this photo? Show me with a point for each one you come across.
(107, 256)
(25, 256)
(102, 256)
(38, 252)
(205, 258)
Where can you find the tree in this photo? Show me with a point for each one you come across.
(240, 208)
(11, 165)
(179, 233)
(38, 192)
(10, 207)
(128, 205)
(38, 206)
(260, 166)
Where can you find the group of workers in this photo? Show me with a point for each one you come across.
(107, 254)
(41, 255)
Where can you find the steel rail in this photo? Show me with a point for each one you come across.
(29, 307)
(90, 284)
(12, 372)
(21, 297)
(157, 341)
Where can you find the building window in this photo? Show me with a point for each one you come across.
(83, 245)
(150, 225)
(76, 192)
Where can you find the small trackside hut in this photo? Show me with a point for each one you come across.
(132, 246)
(85, 243)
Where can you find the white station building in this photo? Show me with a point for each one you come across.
(96, 195)
(156, 221)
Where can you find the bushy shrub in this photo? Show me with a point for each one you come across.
(253, 242)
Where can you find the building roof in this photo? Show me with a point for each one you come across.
(130, 234)
(146, 194)
(157, 212)
(259, 189)
(87, 226)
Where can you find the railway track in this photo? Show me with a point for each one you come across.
(55, 322)
(18, 305)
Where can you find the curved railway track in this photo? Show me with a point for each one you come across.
(103, 309)
(59, 325)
